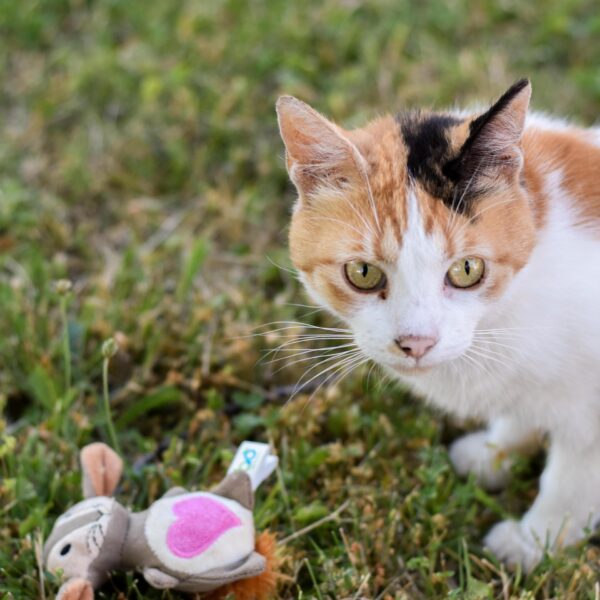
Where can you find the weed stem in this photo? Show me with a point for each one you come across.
(107, 414)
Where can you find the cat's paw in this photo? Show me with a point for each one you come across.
(513, 546)
(473, 453)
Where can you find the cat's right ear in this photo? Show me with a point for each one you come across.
(320, 159)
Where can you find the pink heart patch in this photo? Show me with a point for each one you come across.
(201, 522)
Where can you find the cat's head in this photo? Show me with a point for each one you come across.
(411, 228)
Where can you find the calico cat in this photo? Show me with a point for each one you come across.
(463, 252)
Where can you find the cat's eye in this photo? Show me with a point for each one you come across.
(466, 272)
(364, 276)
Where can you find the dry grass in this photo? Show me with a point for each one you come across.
(139, 159)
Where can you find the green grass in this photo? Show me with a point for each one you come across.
(139, 159)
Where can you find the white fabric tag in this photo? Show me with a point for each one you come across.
(256, 459)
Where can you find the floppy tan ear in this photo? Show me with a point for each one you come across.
(76, 589)
(102, 468)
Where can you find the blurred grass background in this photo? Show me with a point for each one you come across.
(139, 159)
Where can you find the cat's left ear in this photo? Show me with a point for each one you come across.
(320, 158)
(493, 146)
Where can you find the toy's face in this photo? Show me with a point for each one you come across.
(82, 531)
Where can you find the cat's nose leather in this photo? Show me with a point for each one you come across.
(415, 346)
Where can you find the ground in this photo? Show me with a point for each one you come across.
(140, 161)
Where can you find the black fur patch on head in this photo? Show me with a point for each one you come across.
(474, 150)
(429, 150)
(456, 178)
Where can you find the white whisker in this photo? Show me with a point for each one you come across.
(340, 373)
(302, 384)
(321, 357)
(292, 270)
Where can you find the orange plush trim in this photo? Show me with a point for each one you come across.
(261, 587)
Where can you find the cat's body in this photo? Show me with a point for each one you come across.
(481, 232)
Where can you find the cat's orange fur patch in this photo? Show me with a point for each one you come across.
(578, 158)
(368, 219)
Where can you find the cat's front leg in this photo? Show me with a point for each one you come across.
(568, 505)
(487, 454)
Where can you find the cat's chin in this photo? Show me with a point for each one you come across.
(417, 369)
(414, 370)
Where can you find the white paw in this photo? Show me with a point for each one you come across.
(513, 546)
(474, 454)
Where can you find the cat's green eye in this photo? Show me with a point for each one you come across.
(466, 272)
(364, 277)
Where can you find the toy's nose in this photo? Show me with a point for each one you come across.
(415, 346)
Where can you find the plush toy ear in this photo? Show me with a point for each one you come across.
(236, 486)
(76, 589)
(102, 468)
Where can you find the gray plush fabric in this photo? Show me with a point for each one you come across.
(237, 486)
(110, 556)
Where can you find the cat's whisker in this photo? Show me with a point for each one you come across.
(340, 374)
(339, 222)
(303, 325)
(494, 343)
(501, 335)
(297, 352)
(363, 168)
(481, 212)
(479, 352)
(491, 351)
(299, 343)
(358, 214)
(289, 339)
(302, 350)
(477, 363)
(306, 337)
(526, 327)
(372, 202)
(314, 311)
(290, 328)
(303, 383)
(296, 304)
(514, 336)
(455, 209)
(369, 374)
(292, 270)
(502, 329)
(304, 358)
(459, 374)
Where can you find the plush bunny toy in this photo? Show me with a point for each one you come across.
(187, 541)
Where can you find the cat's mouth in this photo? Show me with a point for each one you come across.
(416, 369)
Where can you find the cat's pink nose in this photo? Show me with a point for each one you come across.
(415, 346)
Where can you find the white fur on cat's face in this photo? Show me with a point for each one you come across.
(418, 302)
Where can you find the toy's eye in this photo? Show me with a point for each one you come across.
(364, 277)
(466, 272)
(65, 549)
